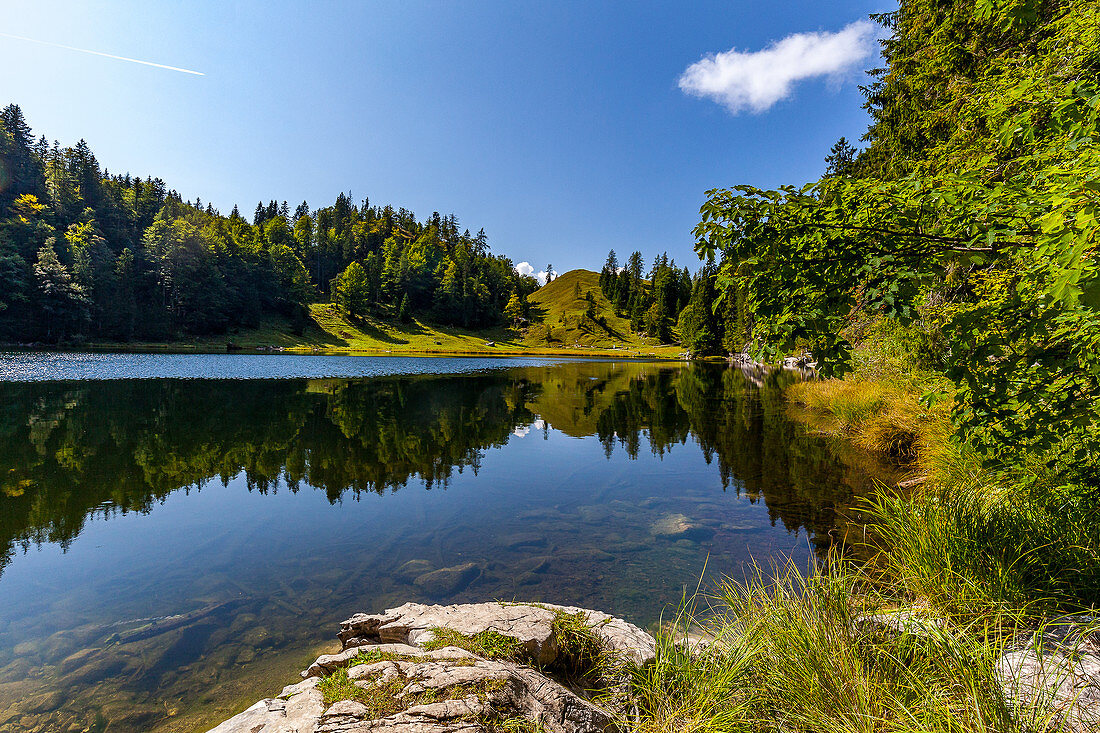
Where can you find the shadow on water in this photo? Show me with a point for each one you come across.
(601, 484)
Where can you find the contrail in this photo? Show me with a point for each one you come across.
(100, 53)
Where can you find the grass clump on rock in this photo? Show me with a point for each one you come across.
(512, 725)
(380, 698)
(488, 644)
(580, 652)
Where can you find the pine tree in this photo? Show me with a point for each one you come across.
(840, 159)
(62, 302)
(404, 313)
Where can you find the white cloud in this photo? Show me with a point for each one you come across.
(757, 80)
(525, 268)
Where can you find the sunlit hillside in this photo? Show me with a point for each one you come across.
(572, 311)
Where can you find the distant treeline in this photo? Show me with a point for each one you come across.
(669, 297)
(89, 255)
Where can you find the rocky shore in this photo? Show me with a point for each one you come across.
(470, 667)
(541, 668)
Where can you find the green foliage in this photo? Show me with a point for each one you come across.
(841, 159)
(962, 539)
(973, 213)
(653, 305)
(62, 301)
(513, 311)
(352, 291)
(701, 328)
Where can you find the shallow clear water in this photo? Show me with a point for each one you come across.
(267, 507)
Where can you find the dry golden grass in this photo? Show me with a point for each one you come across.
(877, 416)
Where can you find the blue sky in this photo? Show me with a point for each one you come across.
(559, 127)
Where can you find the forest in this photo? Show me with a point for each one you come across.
(87, 255)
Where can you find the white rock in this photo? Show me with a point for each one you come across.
(500, 688)
(532, 625)
(1056, 675)
(298, 713)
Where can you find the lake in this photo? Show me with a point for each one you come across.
(180, 534)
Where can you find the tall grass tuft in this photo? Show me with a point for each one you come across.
(814, 654)
(991, 546)
(873, 415)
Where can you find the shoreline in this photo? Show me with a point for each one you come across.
(177, 348)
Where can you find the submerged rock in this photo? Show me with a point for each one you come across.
(393, 684)
(413, 569)
(679, 527)
(446, 581)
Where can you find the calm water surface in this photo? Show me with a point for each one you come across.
(262, 499)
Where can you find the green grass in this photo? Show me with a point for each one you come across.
(382, 697)
(799, 655)
(488, 644)
(512, 725)
(989, 552)
(996, 544)
(580, 654)
(875, 415)
(558, 317)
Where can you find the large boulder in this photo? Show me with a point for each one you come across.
(530, 624)
(394, 684)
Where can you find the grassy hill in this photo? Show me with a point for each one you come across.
(558, 317)
(558, 326)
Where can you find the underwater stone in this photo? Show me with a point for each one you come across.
(445, 581)
(413, 569)
(678, 527)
